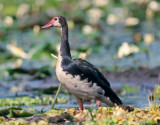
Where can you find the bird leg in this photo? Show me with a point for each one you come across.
(80, 103)
(80, 106)
(98, 103)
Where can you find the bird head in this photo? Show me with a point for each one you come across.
(58, 21)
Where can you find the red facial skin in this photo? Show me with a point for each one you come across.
(49, 24)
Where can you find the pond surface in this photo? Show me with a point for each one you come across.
(136, 98)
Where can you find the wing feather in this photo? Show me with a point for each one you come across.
(94, 75)
(87, 71)
(92, 72)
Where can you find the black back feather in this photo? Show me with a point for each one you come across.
(87, 71)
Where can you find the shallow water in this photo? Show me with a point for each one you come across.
(136, 99)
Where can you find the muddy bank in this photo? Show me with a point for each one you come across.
(136, 76)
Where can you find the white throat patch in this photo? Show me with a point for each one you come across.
(56, 23)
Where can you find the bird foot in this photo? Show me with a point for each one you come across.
(98, 103)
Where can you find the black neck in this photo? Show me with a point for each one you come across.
(65, 49)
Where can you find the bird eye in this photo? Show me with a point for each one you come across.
(56, 19)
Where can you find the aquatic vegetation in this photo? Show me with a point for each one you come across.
(103, 115)
(17, 112)
(30, 101)
(130, 89)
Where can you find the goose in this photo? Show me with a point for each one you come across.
(79, 77)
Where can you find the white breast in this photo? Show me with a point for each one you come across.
(74, 85)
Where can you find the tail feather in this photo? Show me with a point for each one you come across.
(113, 97)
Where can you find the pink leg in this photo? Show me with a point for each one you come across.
(80, 106)
(98, 103)
(80, 103)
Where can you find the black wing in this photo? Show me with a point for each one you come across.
(91, 72)
(95, 76)
(87, 71)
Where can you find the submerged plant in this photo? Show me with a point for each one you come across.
(30, 101)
